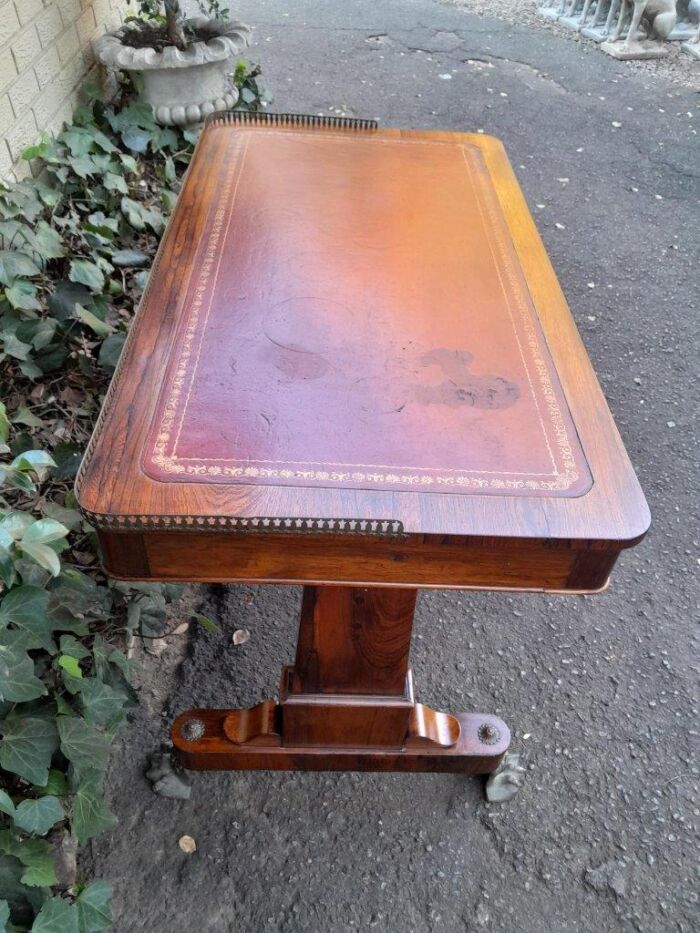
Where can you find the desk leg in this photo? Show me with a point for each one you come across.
(346, 704)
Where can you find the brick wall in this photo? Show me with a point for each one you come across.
(45, 54)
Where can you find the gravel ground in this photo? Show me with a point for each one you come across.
(601, 692)
(678, 67)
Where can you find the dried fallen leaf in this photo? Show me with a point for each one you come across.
(155, 646)
(241, 636)
(181, 628)
(187, 844)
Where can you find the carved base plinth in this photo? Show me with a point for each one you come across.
(347, 703)
(624, 51)
(480, 741)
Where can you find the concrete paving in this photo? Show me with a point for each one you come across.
(601, 692)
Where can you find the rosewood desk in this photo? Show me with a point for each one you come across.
(353, 369)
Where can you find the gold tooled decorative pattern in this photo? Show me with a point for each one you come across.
(565, 472)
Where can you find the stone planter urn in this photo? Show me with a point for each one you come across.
(182, 85)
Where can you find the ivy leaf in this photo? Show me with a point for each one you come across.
(71, 518)
(8, 571)
(30, 574)
(56, 916)
(35, 856)
(163, 137)
(14, 264)
(84, 272)
(47, 242)
(67, 457)
(78, 139)
(73, 647)
(96, 324)
(83, 165)
(22, 295)
(56, 786)
(82, 743)
(206, 623)
(137, 114)
(65, 297)
(94, 911)
(38, 816)
(114, 182)
(102, 704)
(15, 347)
(4, 915)
(6, 805)
(42, 874)
(90, 813)
(70, 665)
(40, 534)
(11, 888)
(27, 747)
(15, 524)
(130, 257)
(18, 683)
(104, 142)
(25, 608)
(44, 531)
(34, 461)
(139, 216)
(136, 139)
(4, 425)
(13, 891)
(24, 415)
(111, 350)
(104, 225)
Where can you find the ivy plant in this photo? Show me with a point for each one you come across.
(170, 14)
(76, 243)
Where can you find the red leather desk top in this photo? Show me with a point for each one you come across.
(355, 314)
(356, 328)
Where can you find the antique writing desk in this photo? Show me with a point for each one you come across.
(353, 369)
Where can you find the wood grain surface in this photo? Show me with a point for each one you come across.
(374, 316)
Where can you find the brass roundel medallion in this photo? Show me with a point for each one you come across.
(488, 734)
(192, 730)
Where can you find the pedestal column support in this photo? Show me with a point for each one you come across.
(347, 703)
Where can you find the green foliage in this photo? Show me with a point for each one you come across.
(253, 94)
(154, 9)
(57, 916)
(75, 248)
(93, 907)
(170, 15)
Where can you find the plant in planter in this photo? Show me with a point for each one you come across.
(182, 67)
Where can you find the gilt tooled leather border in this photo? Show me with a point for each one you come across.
(566, 471)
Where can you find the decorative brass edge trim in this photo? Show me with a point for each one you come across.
(380, 527)
(290, 119)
